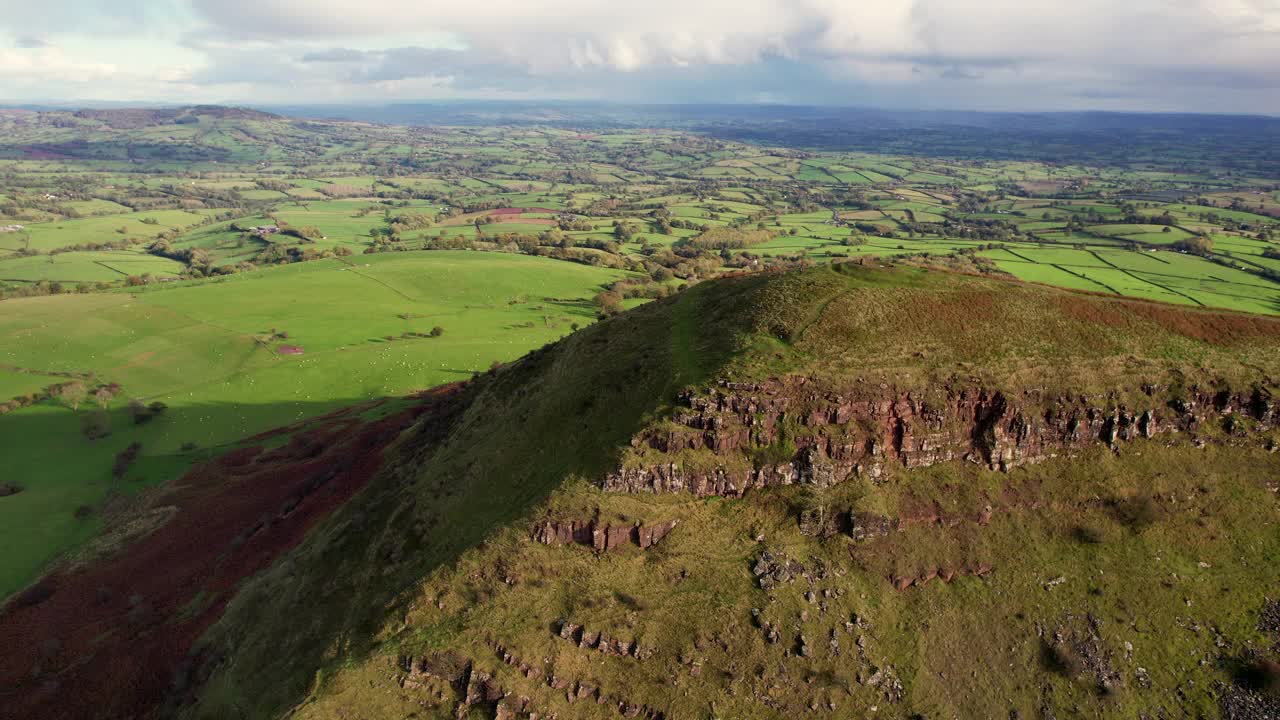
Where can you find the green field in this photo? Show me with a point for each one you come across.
(133, 260)
(205, 350)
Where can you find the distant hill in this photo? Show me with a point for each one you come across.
(201, 133)
(132, 118)
(1242, 141)
(778, 495)
(1181, 142)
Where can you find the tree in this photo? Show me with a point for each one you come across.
(1198, 245)
(437, 331)
(143, 414)
(73, 394)
(95, 425)
(103, 397)
(609, 302)
(661, 274)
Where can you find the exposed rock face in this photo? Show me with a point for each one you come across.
(946, 575)
(603, 642)
(601, 537)
(739, 431)
(574, 690)
(773, 570)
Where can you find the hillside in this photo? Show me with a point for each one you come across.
(845, 491)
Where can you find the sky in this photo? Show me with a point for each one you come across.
(999, 55)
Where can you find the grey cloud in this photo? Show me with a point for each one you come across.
(1188, 54)
(1238, 79)
(468, 69)
(29, 42)
(265, 67)
(956, 72)
(336, 55)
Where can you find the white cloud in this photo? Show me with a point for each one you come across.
(1163, 54)
(45, 64)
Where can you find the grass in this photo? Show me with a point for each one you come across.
(206, 351)
(104, 228)
(694, 593)
(14, 383)
(530, 440)
(531, 435)
(557, 413)
(87, 267)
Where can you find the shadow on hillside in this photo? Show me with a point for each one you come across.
(118, 150)
(285, 556)
(571, 304)
(163, 562)
(478, 461)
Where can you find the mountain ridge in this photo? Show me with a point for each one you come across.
(488, 568)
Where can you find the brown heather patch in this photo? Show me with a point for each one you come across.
(962, 307)
(107, 638)
(1214, 328)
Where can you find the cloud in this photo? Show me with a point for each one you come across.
(981, 54)
(35, 66)
(336, 55)
(29, 42)
(35, 19)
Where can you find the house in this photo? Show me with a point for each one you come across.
(11, 228)
(265, 229)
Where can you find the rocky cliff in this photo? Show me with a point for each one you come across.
(600, 536)
(733, 437)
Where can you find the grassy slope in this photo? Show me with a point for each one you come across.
(196, 348)
(435, 555)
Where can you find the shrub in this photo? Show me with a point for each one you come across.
(1198, 245)
(1062, 659)
(437, 331)
(124, 460)
(609, 303)
(95, 425)
(143, 414)
(1136, 513)
(1089, 535)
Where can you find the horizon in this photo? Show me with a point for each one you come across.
(54, 105)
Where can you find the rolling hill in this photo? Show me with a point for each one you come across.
(838, 492)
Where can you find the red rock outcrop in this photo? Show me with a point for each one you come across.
(828, 435)
(601, 537)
